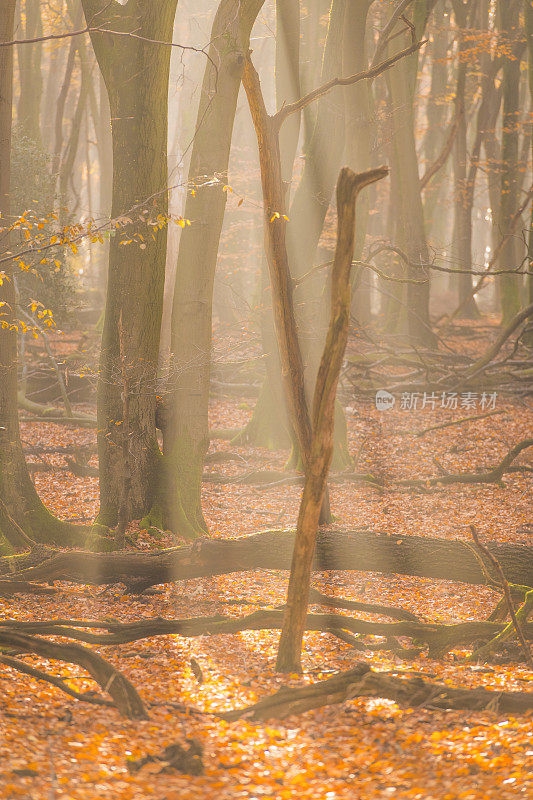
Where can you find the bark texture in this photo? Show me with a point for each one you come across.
(186, 435)
(365, 551)
(408, 210)
(136, 74)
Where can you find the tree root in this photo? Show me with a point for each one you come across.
(122, 692)
(362, 681)
(440, 638)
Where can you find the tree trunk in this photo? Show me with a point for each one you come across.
(136, 73)
(509, 285)
(275, 231)
(29, 62)
(22, 505)
(290, 645)
(358, 142)
(269, 425)
(312, 199)
(186, 436)
(528, 9)
(409, 213)
(364, 551)
(462, 227)
(436, 112)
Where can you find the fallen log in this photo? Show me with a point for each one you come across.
(365, 551)
(362, 681)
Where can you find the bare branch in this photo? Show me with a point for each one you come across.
(384, 35)
(292, 108)
(443, 156)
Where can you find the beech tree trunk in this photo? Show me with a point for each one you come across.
(358, 105)
(136, 73)
(462, 228)
(185, 425)
(269, 425)
(509, 285)
(409, 213)
(29, 58)
(308, 209)
(21, 503)
(528, 10)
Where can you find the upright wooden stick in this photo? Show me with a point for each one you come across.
(348, 187)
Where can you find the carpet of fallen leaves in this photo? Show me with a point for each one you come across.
(54, 747)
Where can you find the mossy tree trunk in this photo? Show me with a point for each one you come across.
(136, 73)
(186, 435)
(21, 502)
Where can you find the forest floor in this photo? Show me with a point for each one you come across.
(55, 747)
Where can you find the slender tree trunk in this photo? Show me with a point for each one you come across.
(323, 156)
(136, 73)
(290, 645)
(269, 425)
(52, 70)
(409, 213)
(509, 284)
(102, 126)
(288, 79)
(186, 435)
(29, 62)
(60, 107)
(358, 141)
(275, 228)
(462, 228)
(313, 197)
(528, 10)
(68, 160)
(437, 110)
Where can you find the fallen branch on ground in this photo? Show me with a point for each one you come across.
(440, 638)
(122, 692)
(362, 681)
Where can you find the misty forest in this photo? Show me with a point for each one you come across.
(266, 392)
